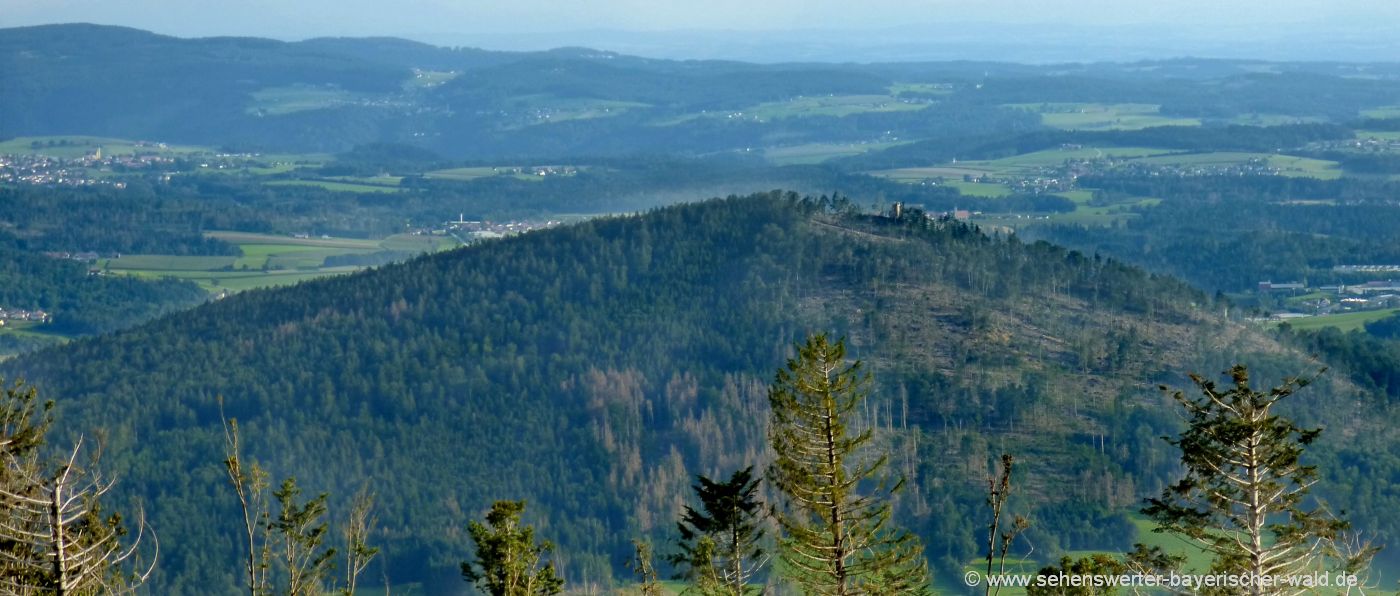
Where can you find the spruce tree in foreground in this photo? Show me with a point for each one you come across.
(1244, 495)
(719, 545)
(507, 557)
(837, 541)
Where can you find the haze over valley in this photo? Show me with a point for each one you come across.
(493, 282)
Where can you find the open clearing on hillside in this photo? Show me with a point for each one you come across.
(1100, 116)
(288, 99)
(268, 260)
(546, 109)
(801, 107)
(811, 153)
(74, 146)
(1382, 112)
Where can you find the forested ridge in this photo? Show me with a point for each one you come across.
(593, 369)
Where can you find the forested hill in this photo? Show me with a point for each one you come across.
(593, 369)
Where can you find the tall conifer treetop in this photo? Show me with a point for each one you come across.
(837, 541)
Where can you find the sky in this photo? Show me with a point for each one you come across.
(552, 23)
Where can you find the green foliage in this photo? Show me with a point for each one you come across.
(600, 366)
(507, 556)
(648, 582)
(1244, 496)
(720, 545)
(301, 530)
(836, 540)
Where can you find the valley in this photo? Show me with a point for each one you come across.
(453, 276)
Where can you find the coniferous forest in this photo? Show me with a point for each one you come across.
(593, 370)
(364, 315)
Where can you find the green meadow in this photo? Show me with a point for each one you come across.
(1349, 321)
(811, 153)
(268, 260)
(336, 186)
(1100, 116)
(74, 146)
(277, 101)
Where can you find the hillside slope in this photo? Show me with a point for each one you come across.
(593, 369)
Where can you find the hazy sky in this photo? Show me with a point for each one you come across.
(306, 18)
(460, 22)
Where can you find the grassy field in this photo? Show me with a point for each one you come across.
(928, 88)
(276, 101)
(268, 260)
(369, 180)
(518, 172)
(423, 79)
(1382, 112)
(921, 174)
(830, 105)
(800, 107)
(1099, 116)
(73, 146)
(1288, 165)
(811, 153)
(1350, 321)
(335, 185)
(1271, 119)
(1384, 135)
(1028, 164)
(980, 189)
(545, 109)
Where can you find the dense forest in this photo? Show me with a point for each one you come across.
(1231, 232)
(592, 369)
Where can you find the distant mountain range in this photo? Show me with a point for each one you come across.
(331, 94)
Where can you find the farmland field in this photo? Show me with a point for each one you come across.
(826, 105)
(518, 172)
(335, 186)
(1385, 135)
(268, 260)
(1382, 112)
(818, 152)
(1350, 321)
(73, 146)
(545, 109)
(1287, 165)
(1097, 116)
(276, 101)
(980, 189)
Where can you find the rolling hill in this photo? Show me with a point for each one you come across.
(593, 369)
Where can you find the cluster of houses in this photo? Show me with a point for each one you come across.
(466, 230)
(18, 314)
(44, 170)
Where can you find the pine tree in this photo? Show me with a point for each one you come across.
(719, 544)
(1244, 494)
(507, 557)
(836, 540)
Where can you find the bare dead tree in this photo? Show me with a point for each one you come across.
(56, 540)
(250, 486)
(358, 552)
